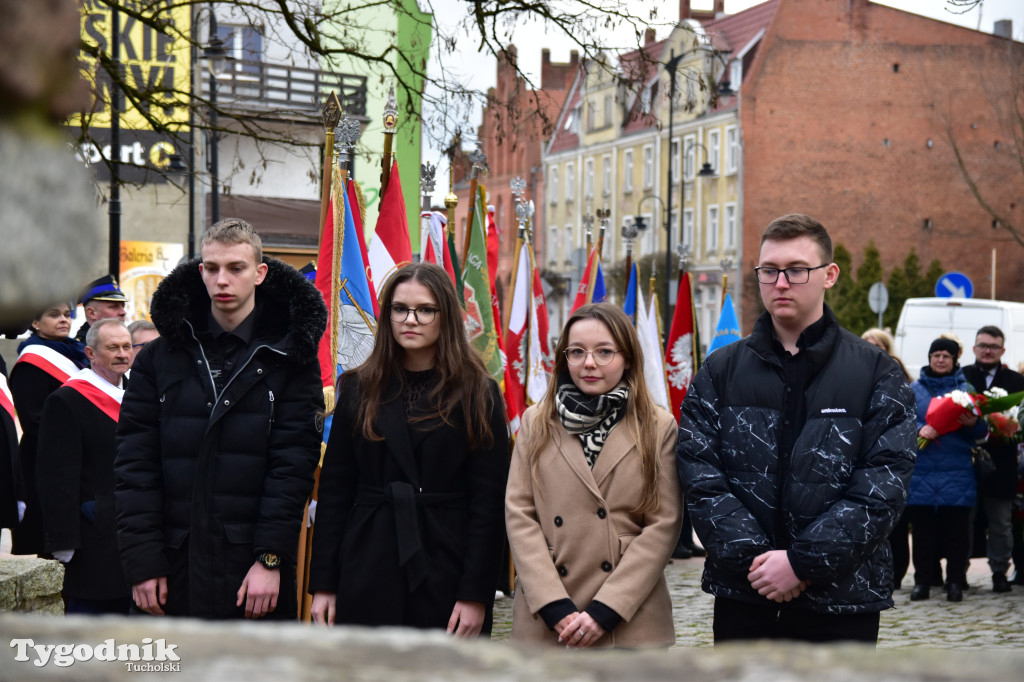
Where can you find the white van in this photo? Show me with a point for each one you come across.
(924, 319)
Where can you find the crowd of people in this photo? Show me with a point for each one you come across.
(167, 464)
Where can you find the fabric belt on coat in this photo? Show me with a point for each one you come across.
(404, 499)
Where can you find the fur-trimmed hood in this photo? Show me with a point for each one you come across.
(291, 312)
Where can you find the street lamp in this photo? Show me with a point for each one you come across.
(672, 65)
(216, 57)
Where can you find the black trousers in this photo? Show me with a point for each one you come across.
(899, 545)
(737, 621)
(933, 528)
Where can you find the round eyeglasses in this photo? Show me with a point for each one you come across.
(577, 356)
(423, 315)
(793, 275)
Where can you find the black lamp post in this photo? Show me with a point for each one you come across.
(215, 56)
(672, 65)
(114, 206)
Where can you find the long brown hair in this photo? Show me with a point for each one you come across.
(463, 385)
(640, 409)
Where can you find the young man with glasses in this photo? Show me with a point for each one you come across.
(996, 492)
(796, 446)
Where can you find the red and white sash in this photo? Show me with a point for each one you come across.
(48, 360)
(98, 391)
(6, 399)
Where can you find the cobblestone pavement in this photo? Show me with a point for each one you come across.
(982, 620)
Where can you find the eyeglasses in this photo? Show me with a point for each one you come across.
(577, 356)
(423, 315)
(987, 346)
(793, 275)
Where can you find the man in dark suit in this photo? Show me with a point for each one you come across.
(996, 492)
(75, 474)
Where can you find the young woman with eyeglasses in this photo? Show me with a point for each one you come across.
(408, 525)
(593, 506)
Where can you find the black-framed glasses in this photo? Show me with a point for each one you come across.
(767, 275)
(423, 314)
(577, 356)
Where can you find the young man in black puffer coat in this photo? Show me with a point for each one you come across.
(219, 435)
(796, 447)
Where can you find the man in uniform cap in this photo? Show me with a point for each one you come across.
(101, 299)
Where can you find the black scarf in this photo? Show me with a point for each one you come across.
(590, 417)
(70, 348)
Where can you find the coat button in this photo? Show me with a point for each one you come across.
(199, 362)
(601, 513)
(563, 571)
(259, 371)
(227, 402)
(606, 566)
(558, 521)
(209, 404)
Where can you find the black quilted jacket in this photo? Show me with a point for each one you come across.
(832, 501)
(225, 476)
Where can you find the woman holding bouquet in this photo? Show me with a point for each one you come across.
(942, 490)
(593, 503)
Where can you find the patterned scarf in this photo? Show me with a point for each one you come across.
(590, 417)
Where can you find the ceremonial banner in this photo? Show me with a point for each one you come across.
(357, 206)
(680, 351)
(541, 363)
(650, 345)
(517, 341)
(390, 247)
(629, 306)
(480, 322)
(143, 266)
(437, 244)
(728, 329)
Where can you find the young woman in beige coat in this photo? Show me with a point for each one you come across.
(593, 506)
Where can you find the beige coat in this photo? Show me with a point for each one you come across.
(574, 535)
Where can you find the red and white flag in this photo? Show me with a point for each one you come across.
(680, 351)
(541, 363)
(390, 248)
(436, 251)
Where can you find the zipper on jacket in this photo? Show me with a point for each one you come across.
(206, 362)
(270, 424)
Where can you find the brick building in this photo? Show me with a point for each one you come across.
(847, 113)
(511, 134)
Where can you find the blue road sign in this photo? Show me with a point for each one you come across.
(954, 285)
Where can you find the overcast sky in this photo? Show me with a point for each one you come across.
(530, 38)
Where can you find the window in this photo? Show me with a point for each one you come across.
(552, 245)
(648, 239)
(711, 242)
(569, 246)
(243, 44)
(606, 175)
(627, 171)
(730, 226)
(714, 148)
(591, 116)
(736, 74)
(570, 182)
(674, 237)
(553, 184)
(674, 153)
(690, 155)
(648, 166)
(688, 228)
(732, 149)
(607, 110)
(588, 179)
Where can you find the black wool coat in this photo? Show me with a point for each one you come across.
(1002, 484)
(8, 465)
(206, 481)
(76, 481)
(376, 498)
(31, 387)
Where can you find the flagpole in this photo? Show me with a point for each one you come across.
(725, 264)
(390, 125)
(479, 160)
(330, 115)
(603, 214)
(427, 173)
(347, 134)
(684, 260)
(518, 186)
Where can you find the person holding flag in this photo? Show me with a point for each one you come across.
(593, 506)
(409, 517)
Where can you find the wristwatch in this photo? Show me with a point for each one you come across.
(269, 560)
